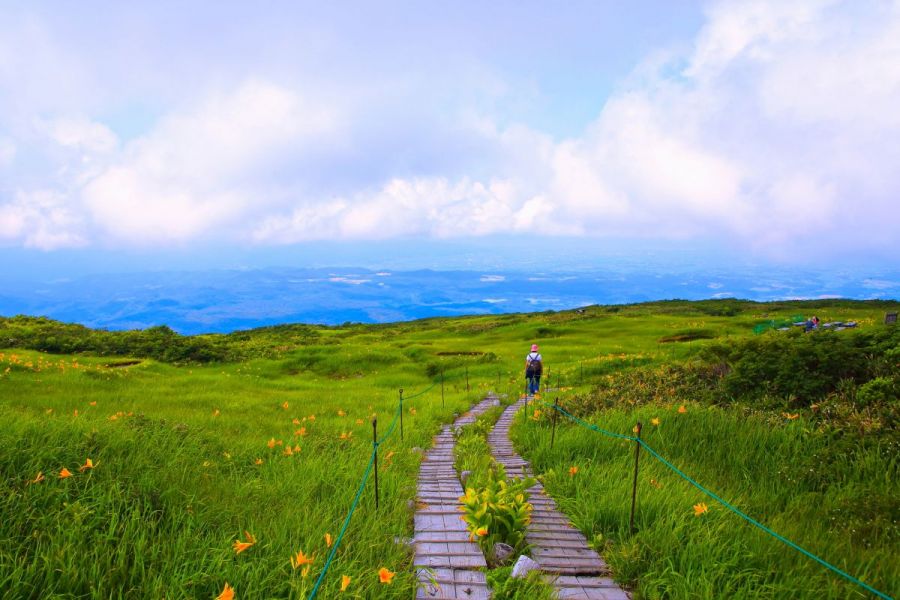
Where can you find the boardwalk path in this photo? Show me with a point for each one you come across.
(446, 561)
(560, 549)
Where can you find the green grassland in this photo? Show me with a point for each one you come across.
(799, 431)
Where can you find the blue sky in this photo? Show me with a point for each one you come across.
(170, 132)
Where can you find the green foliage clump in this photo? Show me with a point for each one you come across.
(498, 512)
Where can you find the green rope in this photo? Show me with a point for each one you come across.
(727, 505)
(428, 389)
(391, 426)
(337, 542)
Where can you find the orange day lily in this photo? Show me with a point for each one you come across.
(572, 470)
(296, 421)
(301, 432)
(682, 409)
(240, 546)
(345, 582)
(227, 593)
(341, 413)
(700, 508)
(301, 559)
(65, 473)
(328, 540)
(88, 464)
(346, 435)
(271, 443)
(385, 576)
(481, 531)
(285, 406)
(654, 421)
(259, 461)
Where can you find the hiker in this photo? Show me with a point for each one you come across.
(533, 368)
(811, 324)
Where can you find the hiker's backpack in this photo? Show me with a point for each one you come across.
(534, 366)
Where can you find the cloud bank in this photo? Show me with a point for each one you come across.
(775, 128)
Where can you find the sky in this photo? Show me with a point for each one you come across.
(172, 132)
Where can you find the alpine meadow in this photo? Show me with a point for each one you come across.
(146, 464)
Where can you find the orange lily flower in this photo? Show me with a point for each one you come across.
(240, 546)
(271, 443)
(700, 508)
(296, 447)
(654, 421)
(328, 540)
(216, 413)
(227, 593)
(311, 417)
(481, 531)
(359, 421)
(385, 576)
(572, 470)
(259, 461)
(65, 473)
(301, 432)
(93, 403)
(285, 406)
(345, 582)
(341, 413)
(288, 451)
(296, 421)
(301, 559)
(88, 464)
(682, 409)
(347, 435)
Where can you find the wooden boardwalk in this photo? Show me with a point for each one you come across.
(447, 563)
(561, 550)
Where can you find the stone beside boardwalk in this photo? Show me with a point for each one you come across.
(562, 551)
(447, 563)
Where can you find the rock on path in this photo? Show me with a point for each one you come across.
(560, 549)
(446, 561)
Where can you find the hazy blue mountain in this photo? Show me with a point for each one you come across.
(225, 300)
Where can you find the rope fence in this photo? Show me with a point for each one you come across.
(373, 457)
(718, 499)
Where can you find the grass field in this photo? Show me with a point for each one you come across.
(188, 457)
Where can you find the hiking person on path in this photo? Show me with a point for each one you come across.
(533, 368)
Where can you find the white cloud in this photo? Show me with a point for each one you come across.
(777, 130)
(42, 220)
(204, 169)
(81, 133)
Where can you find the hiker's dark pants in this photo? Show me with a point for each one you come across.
(532, 383)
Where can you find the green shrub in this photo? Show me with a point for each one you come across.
(498, 512)
(880, 390)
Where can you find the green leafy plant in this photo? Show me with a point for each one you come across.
(498, 512)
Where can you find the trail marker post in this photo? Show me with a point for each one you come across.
(555, 416)
(375, 450)
(637, 455)
(401, 414)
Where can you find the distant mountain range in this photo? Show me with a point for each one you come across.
(226, 300)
